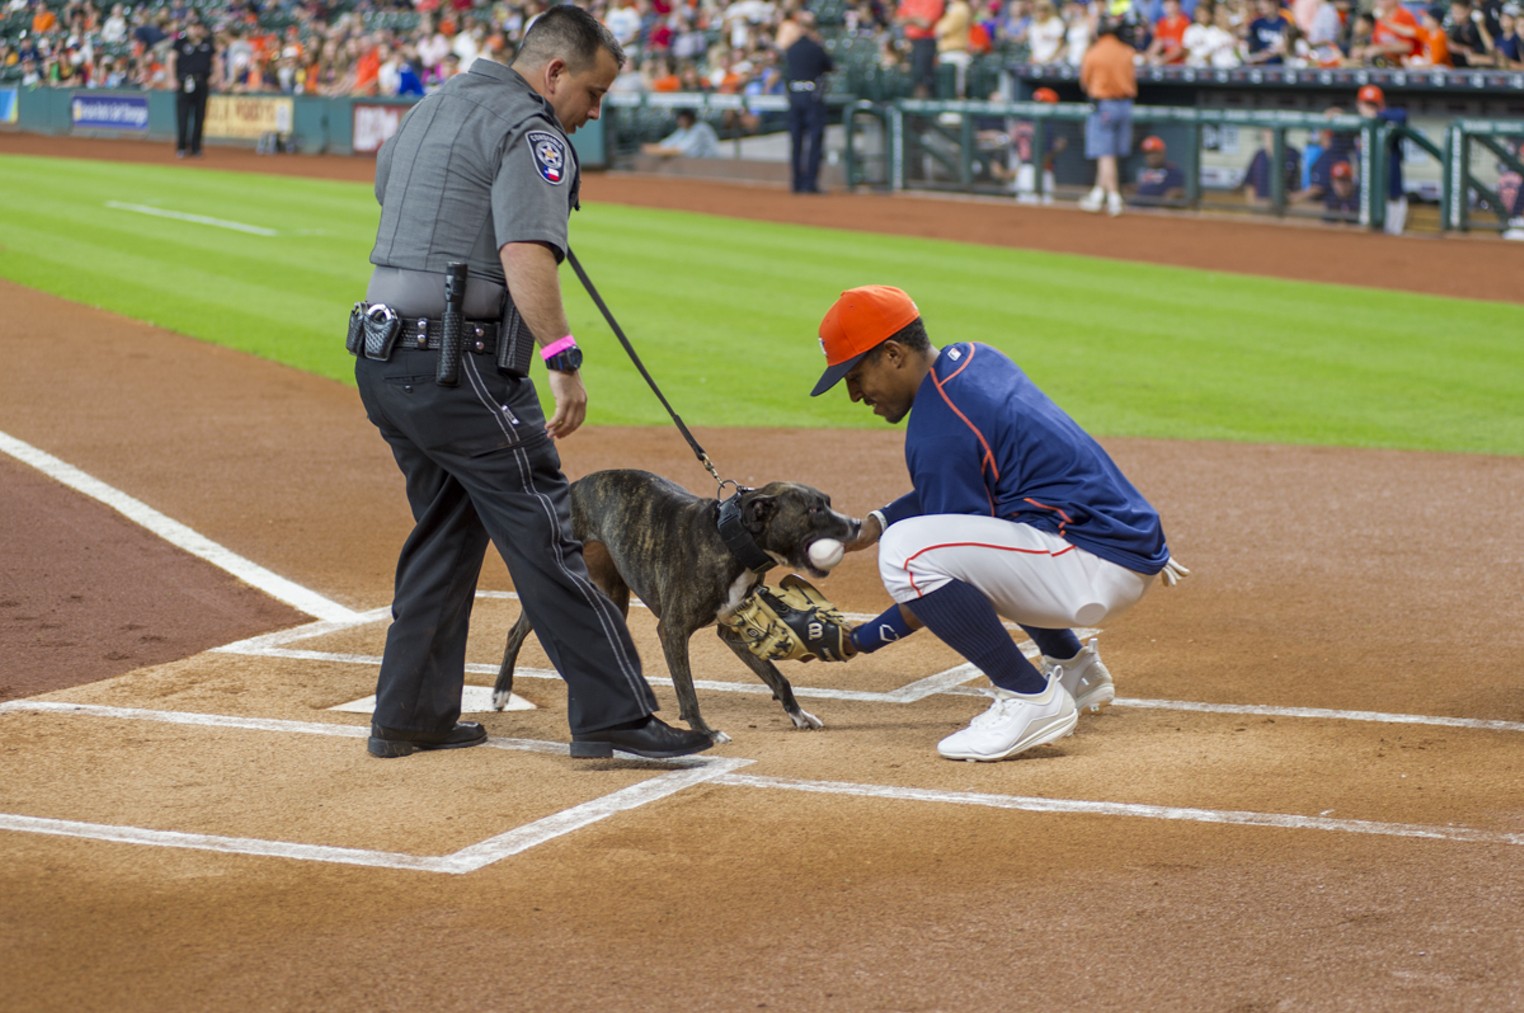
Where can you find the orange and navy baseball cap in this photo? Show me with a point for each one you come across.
(1372, 94)
(1341, 170)
(1045, 95)
(1152, 144)
(856, 324)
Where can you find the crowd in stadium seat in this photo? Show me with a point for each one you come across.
(1298, 33)
(331, 47)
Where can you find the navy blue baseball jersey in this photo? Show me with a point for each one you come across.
(982, 439)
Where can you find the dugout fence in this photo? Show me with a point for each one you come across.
(923, 144)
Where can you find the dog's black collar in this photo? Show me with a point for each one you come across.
(737, 539)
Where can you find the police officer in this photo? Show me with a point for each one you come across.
(805, 65)
(481, 172)
(191, 61)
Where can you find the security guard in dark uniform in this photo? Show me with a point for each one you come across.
(481, 175)
(805, 65)
(192, 59)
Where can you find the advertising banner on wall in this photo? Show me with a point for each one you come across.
(8, 105)
(374, 124)
(247, 116)
(109, 112)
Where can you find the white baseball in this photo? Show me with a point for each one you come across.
(826, 553)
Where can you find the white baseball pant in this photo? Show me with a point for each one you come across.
(1031, 576)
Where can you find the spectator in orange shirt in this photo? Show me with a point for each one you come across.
(367, 69)
(1395, 38)
(1111, 82)
(1433, 40)
(918, 20)
(1168, 46)
(662, 78)
(44, 21)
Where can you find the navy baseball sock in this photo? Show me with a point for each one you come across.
(963, 618)
(881, 631)
(1058, 644)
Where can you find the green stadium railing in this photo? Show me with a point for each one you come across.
(1461, 182)
(907, 122)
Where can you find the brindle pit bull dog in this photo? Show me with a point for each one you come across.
(643, 533)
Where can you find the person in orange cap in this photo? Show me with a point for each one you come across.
(1022, 138)
(1341, 198)
(1370, 102)
(1160, 181)
(1014, 511)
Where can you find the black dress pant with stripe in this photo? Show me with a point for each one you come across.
(479, 467)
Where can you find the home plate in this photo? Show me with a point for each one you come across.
(473, 700)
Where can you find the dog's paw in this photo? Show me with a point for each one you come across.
(719, 738)
(805, 721)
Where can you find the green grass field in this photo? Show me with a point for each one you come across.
(724, 312)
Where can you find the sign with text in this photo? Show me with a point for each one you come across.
(247, 116)
(109, 112)
(375, 124)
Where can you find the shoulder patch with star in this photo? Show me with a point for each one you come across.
(549, 152)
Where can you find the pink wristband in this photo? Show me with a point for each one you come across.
(555, 348)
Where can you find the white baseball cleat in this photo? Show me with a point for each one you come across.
(1014, 723)
(1084, 676)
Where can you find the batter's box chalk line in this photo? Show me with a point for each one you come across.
(682, 774)
(676, 775)
(478, 699)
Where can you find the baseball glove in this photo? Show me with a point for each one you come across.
(793, 622)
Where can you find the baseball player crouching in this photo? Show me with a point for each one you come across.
(1015, 511)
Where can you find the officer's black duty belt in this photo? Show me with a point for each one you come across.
(479, 336)
(384, 330)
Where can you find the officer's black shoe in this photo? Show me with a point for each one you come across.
(650, 737)
(388, 743)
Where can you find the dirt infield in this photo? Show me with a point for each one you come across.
(208, 834)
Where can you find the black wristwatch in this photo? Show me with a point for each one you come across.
(568, 361)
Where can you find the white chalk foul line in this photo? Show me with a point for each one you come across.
(1484, 724)
(179, 535)
(523, 838)
(266, 642)
(949, 682)
(1078, 806)
(690, 771)
(228, 845)
(185, 216)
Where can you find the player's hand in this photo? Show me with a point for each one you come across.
(571, 403)
(867, 535)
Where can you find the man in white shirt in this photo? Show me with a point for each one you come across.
(693, 138)
(623, 21)
(115, 28)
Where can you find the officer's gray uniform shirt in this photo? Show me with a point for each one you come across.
(478, 164)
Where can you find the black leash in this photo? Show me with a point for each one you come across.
(728, 517)
(587, 283)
